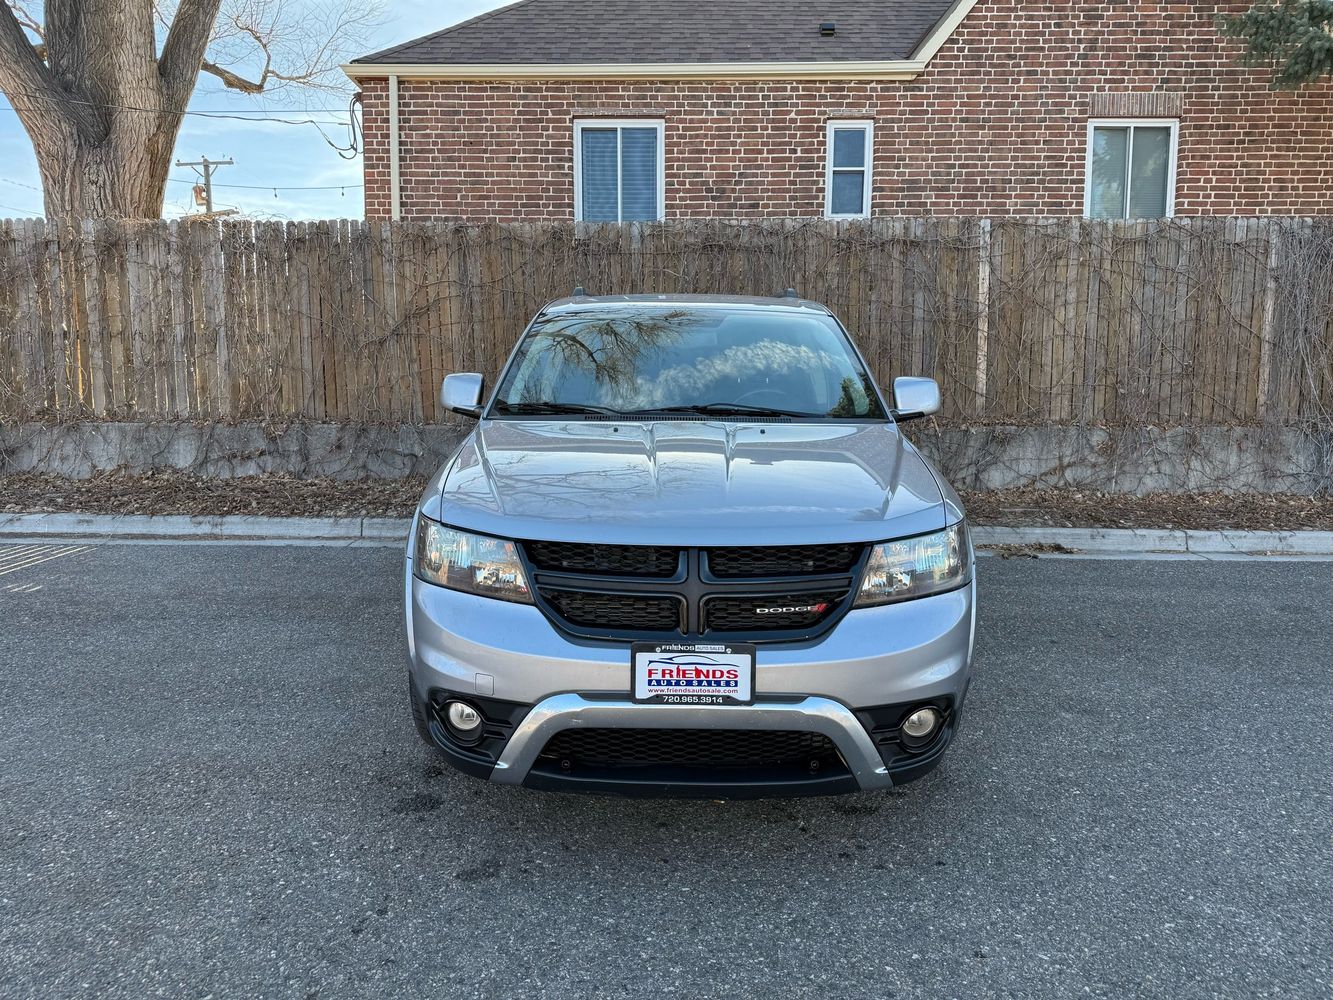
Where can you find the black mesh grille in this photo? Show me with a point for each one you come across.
(612, 560)
(712, 747)
(788, 560)
(717, 583)
(769, 611)
(635, 612)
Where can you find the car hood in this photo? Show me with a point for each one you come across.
(689, 483)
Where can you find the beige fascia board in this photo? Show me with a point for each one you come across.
(942, 31)
(898, 69)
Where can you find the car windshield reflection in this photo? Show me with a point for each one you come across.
(641, 361)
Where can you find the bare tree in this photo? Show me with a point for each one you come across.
(100, 85)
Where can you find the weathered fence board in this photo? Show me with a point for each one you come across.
(1183, 321)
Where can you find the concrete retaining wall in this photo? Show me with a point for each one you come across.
(342, 451)
(1140, 460)
(1133, 460)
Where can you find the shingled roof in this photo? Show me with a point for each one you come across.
(571, 32)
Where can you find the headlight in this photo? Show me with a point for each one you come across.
(915, 567)
(475, 564)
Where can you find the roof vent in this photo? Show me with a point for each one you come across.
(828, 29)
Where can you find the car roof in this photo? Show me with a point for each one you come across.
(596, 303)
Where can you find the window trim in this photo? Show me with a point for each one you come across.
(848, 124)
(618, 124)
(1132, 123)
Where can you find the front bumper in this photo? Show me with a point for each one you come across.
(864, 767)
(842, 686)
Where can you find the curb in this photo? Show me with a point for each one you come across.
(393, 531)
(231, 527)
(1149, 541)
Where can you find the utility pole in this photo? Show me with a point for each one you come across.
(207, 166)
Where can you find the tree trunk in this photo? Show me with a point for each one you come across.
(103, 109)
(120, 175)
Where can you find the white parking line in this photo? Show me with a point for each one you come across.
(10, 553)
(29, 556)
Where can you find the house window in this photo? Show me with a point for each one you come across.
(619, 173)
(1131, 172)
(847, 171)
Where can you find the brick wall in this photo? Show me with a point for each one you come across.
(996, 125)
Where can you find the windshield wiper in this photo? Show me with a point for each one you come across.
(572, 408)
(723, 410)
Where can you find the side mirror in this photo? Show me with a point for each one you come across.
(462, 394)
(915, 397)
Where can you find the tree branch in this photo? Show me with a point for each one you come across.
(22, 72)
(183, 51)
(31, 85)
(235, 81)
(26, 19)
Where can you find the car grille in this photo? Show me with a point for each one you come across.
(786, 560)
(642, 592)
(613, 560)
(687, 747)
(637, 612)
(771, 611)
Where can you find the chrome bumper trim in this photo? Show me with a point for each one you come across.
(572, 711)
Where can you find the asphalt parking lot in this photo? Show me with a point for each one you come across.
(211, 786)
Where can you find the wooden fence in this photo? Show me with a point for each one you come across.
(1021, 320)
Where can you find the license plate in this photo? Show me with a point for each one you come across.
(693, 674)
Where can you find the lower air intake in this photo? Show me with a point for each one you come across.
(719, 748)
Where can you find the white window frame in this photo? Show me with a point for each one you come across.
(1132, 123)
(619, 123)
(834, 124)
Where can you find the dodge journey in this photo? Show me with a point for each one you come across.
(686, 550)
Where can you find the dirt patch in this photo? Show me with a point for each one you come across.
(179, 493)
(1033, 551)
(284, 496)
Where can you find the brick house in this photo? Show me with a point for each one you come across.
(605, 110)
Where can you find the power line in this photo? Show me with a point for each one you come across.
(211, 111)
(233, 115)
(274, 187)
(246, 187)
(350, 151)
(25, 211)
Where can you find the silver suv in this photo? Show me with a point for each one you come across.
(686, 550)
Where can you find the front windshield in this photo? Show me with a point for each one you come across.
(640, 359)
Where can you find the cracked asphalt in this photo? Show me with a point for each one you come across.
(210, 786)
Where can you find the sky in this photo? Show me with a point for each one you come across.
(268, 155)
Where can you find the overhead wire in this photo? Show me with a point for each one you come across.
(216, 111)
(236, 115)
(345, 152)
(350, 151)
(273, 187)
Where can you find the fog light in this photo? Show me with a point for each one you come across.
(921, 724)
(464, 720)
